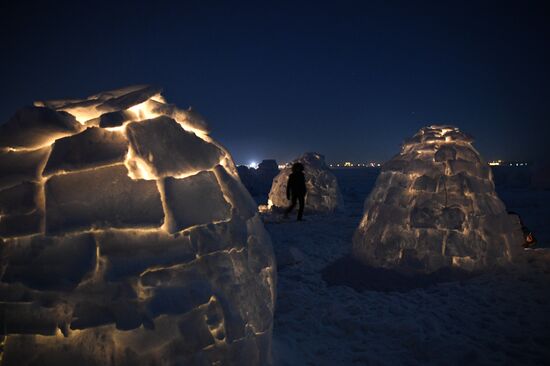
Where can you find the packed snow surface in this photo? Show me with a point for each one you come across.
(332, 310)
(434, 206)
(127, 238)
(323, 194)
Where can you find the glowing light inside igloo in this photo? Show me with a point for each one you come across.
(323, 193)
(128, 238)
(434, 205)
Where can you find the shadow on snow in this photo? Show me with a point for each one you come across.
(349, 272)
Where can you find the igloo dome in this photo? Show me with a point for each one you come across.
(323, 192)
(128, 239)
(434, 205)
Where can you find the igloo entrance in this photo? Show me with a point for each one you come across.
(434, 205)
(127, 238)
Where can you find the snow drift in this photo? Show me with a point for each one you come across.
(127, 238)
(434, 205)
(323, 193)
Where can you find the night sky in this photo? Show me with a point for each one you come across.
(274, 79)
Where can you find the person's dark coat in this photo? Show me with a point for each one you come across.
(296, 185)
(296, 189)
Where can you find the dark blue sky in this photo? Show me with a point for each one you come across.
(275, 78)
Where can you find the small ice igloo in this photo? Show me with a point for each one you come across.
(434, 205)
(323, 192)
(127, 238)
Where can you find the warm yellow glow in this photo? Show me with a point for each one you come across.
(83, 114)
(63, 172)
(263, 208)
(143, 111)
(464, 262)
(47, 143)
(117, 128)
(16, 149)
(158, 98)
(137, 167)
(199, 133)
(142, 168)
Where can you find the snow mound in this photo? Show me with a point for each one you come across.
(323, 192)
(127, 238)
(434, 205)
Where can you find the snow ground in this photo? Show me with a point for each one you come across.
(497, 318)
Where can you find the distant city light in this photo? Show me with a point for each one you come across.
(373, 164)
(506, 163)
(253, 165)
(350, 164)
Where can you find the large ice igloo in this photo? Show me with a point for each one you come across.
(323, 192)
(434, 205)
(128, 239)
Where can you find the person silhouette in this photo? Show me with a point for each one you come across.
(296, 189)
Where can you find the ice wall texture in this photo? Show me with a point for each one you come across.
(434, 205)
(127, 238)
(323, 192)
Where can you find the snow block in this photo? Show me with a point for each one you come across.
(236, 193)
(457, 245)
(189, 117)
(20, 199)
(178, 289)
(91, 148)
(115, 119)
(27, 318)
(423, 217)
(129, 253)
(102, 197)
(178, 299)
(261, 259)
(34, 127)
(169, 149)
(89, 315)
(20, 166)
(21, 225)
(47, 263)
(195, 200)
(221, 236)
(425, 183)
(434, 205)
(451, 218)
(194, 327)
(445, 153)
(129, 99)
